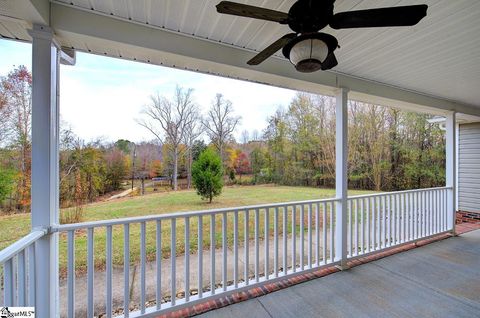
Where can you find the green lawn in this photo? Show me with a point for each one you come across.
(16, 226)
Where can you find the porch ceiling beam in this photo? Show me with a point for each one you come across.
(183, 51)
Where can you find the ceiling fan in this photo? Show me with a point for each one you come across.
(307, 48)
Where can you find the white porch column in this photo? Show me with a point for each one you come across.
(341, 177)
(451, 169)
(45, 199)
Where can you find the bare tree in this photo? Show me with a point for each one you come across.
(245, 137)
(220, 123)
(5, 112)
(255, 135)
(169, 120)
(194, 130)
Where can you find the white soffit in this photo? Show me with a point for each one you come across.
(439, 57)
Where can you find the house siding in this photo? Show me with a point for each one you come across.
(469, 167)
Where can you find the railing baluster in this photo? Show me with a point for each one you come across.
(433, 212)
(108, 271)
(444, 210)
(31, 275)
(393, 238)
(378, 224)
(126, 271)
(317, 234)
(402, 218)
(428, 212)
(173, 259)
(71, 274)
(412, 216)
(362, 225)
(369, 230)
(257, 246)
(22, 279)
(143, 267)
(399, 218)
(212, 254)
(235, 248)
(437, 209)
(425, 213)
(187, 259)
(355, 217)
(324, 230)
(409, 215)
(200, 256)
(415, 215)
(389, 224)
(8, 281)
(309, 232)
(395, 219)
(374, 224)
(275, 242)
(428, 202)
(302, 238)
(332, 232)
(294, 247)
(224, 251)
(420, 215)
(285, 249)
(350, 228)
(266, 241)
(384, 221)
(90, 273)
(247, 242)
(15, 282)
(158, 260)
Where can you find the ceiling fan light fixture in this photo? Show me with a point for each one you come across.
(308, 55)
(308, 52)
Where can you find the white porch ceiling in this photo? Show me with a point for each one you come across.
(440, 57)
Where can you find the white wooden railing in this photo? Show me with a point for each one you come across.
(384, 220)
(275, 241)
(232, 249)
(18, 263)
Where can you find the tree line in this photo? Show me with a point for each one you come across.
(388, 149)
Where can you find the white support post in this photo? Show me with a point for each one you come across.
(341, 178)
(45, 141)
(451, 169)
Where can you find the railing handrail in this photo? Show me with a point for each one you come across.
(396, 192)
(157, 217)
(13, 249)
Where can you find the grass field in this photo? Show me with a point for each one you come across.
(16, 226)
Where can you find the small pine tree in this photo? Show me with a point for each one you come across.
(207, 175)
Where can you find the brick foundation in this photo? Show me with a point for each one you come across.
(467, 217)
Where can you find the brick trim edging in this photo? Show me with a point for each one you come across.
(301, 278)
(467, 217)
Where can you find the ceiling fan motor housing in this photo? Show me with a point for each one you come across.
(307, 16)
(308, 52)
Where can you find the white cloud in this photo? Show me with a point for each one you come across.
(102, 97)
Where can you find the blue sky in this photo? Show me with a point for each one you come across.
(102, 96)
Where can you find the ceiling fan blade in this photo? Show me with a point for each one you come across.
(330, 62)
(271, 49)
(382, 17)
(244, 10)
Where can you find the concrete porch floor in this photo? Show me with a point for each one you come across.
(441, 279)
